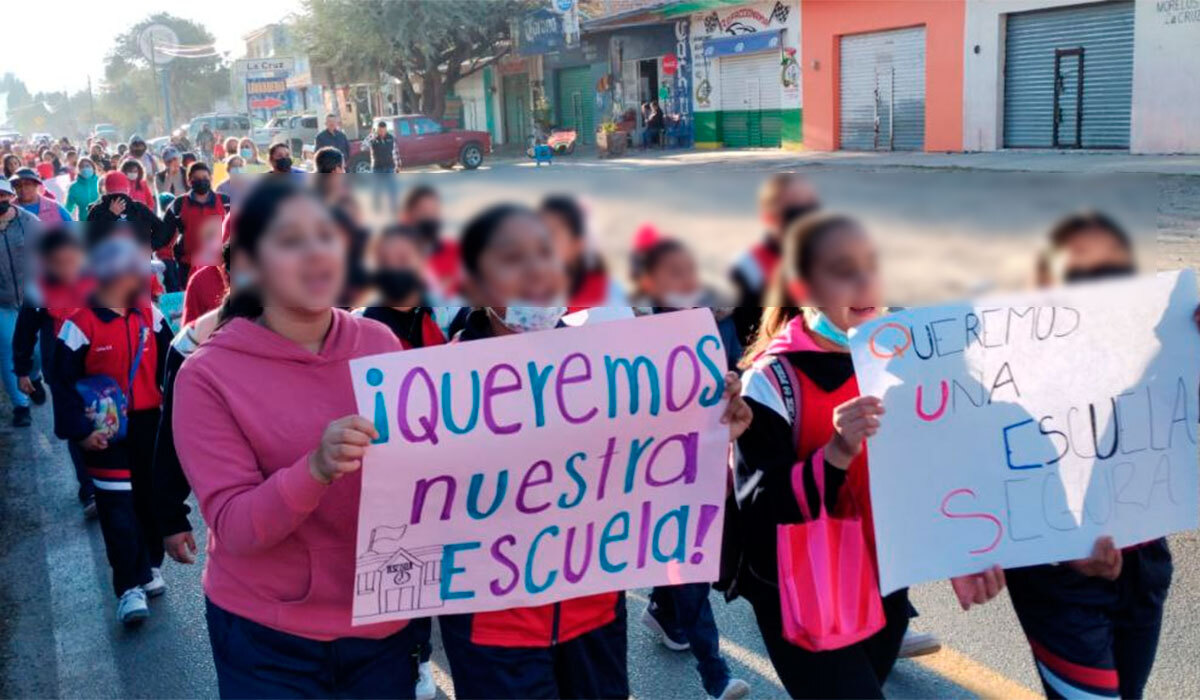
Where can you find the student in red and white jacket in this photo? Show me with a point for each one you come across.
(186, 216)
(575, 648)
(106, 339)
(828, 261)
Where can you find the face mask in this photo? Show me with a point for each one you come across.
(247, 153)
(398, 285)
(521, 317)
(283, 164)
(234, 170)
(794, 213)
(133, 175)
(4, 207)
(201, 186)
(430, 229)
(675, 300)
(820, 324)
(241, 280)
(1102, 272)
(137, 151)
(86, 172)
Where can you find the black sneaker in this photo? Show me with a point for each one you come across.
(22, 418)
(38, 396)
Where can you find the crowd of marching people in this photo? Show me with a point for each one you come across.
(241, 401)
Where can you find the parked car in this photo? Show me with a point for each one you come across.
(420, 140)
(222, 125)
(108, 132)
(262, 132)
(296, 131)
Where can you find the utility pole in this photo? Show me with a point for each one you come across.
(154, 74)
(91, 103)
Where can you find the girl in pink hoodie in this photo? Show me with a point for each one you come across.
(267, 432)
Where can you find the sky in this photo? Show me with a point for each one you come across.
(88, 31)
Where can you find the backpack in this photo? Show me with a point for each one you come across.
(103, 400)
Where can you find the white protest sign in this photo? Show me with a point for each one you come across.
(538, 467)
(1019, 429)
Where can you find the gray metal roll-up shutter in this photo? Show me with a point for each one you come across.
(882, 91)
(1047, 51)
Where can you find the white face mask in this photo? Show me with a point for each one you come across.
(675, 300)
(523, 317)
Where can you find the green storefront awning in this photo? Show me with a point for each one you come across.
(687, 7)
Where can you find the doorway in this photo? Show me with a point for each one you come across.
(1068, 98)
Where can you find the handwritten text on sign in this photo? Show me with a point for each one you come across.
(1020, 429)
(533, 468)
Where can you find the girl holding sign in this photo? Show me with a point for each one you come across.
(574, 648)
(809, 428)
(1093, 624)
(268, 435)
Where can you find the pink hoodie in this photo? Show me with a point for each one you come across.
(250, 406)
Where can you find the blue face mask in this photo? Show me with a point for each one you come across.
(247, 153)
(86, 172)
(820, 324)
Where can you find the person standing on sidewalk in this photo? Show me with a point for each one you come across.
(383, 165)
(333, 137)
(18, 231)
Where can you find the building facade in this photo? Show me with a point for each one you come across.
(1120, 75)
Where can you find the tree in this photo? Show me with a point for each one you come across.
(428, 45)
(194, 83)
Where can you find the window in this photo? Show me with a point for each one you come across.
(310, 122)
(406, 127)
(426, 125)
(223, 124)
(241, 123)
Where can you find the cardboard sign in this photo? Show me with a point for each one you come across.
(1020, 429)
(534, 468)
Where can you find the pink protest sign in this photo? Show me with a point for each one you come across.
(534, 468)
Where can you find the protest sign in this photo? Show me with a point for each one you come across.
(533, 468)
(1019, 429)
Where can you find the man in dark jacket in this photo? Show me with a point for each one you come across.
(333, 137)
(383, 165)
(115, 206)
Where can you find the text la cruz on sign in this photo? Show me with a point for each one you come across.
(539, 467)
(1019, 429)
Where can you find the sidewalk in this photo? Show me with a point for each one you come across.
(1080, 162)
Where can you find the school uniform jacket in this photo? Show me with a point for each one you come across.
(417, 328)
(99, 341)
(537, 626)
(774, 469)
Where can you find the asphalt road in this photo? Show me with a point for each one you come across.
(943, 232)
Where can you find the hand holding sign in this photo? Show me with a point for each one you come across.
(343, 445)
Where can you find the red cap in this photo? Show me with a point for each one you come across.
(646, 236)
(45, 170)
(115, 182)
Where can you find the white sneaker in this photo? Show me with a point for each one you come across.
(426, 688)
(157, 585)
(736, 688)
(919, 644)
(651, 622)
(132, 608)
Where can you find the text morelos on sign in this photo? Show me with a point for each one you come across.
(539, 467)
(1020, 429)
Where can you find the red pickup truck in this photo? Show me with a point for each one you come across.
(420, 140)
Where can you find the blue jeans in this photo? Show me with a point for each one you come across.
(8, 325)
(255, 661)
(685, 610)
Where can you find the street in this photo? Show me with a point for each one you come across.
(944, 231)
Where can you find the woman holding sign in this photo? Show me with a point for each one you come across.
(803, 461)
(267, 432)
(574, 648)
(1093, 624)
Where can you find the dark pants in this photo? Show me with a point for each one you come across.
(126, 515)
(686, 612)
(1090, 634)
(174, 276)
(423, 629)
(255, 661)
(856, 671)
(46, 347)
(589, 666)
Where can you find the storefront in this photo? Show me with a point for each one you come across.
(1082, 74)
(883, 75)
(478, 94)
(516, 99)
(745, 75)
